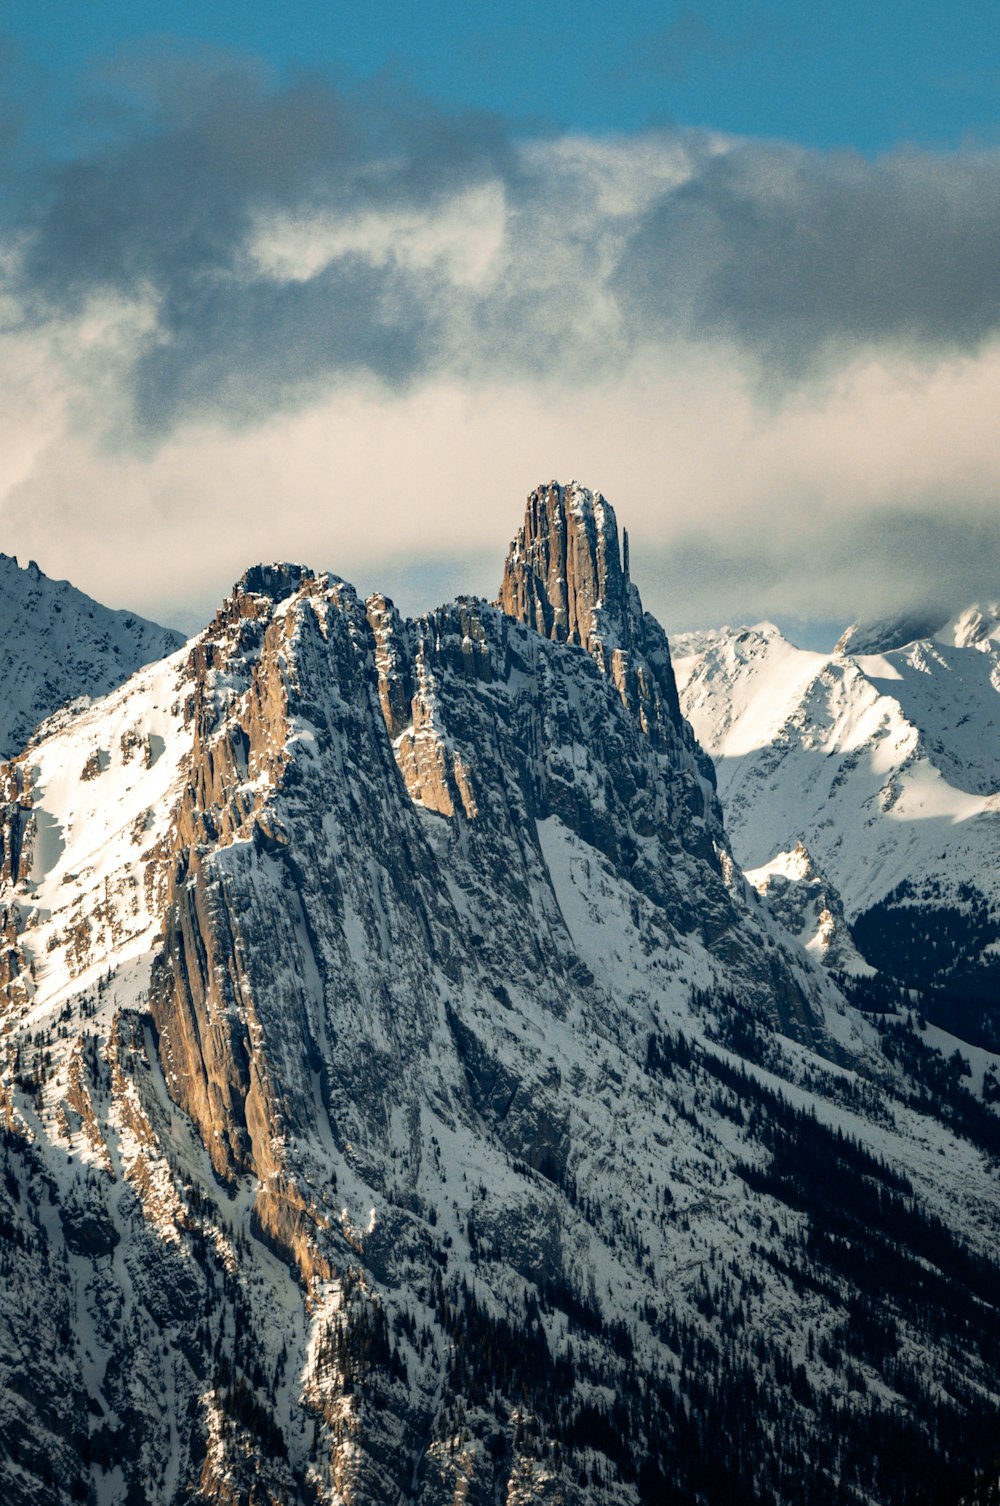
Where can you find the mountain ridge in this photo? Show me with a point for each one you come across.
(405, 1095)
(884, 765)
(59, 644)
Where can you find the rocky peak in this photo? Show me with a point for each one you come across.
(60, 645)
(888, 633)
(975, 626)
(241, 620)
(386, 1013)
(565, 575)
(805, 902)
(278, 580)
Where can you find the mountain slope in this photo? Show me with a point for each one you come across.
(885, 765)
(58, 644)
(405, 1097)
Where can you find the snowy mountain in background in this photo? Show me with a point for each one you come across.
(405, 1097)
(883, 760)
(56, 644)
(809, 907)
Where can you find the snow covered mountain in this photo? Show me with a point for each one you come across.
(57, 644)
(810, 908)
(883, 760)
(404, 1097)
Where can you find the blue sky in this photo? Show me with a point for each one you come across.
(865, 75)
(344, 284)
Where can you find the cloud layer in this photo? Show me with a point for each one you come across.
(252, 307)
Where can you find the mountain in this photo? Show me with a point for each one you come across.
(404, 1096)
(810, 908)
(886, 766)
(58, 644)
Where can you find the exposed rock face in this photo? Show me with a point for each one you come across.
(15, 812)
(496, 740)
(809, 907)
(373, 1098)
(890, 633)
(567, 577)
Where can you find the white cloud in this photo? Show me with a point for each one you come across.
(464, 236)
(701, 473)
(369, 379)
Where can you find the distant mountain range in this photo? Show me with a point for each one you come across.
(883, 760)
(404, 1096)
(57, 645)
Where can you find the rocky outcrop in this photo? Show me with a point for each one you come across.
(15, 821)
(808, 906)
(567, 576)
(322, 729)
(379, 1119)
(888, 633)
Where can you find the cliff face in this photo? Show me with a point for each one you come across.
(565, 574)
(374, 993)
(567, 577)
(304, 869)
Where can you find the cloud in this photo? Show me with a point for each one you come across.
(798, 258)
(689, 42)
(794, 260)
(877, 496)
(170, 200)
(259, 320)
(165, 216)
(869, 566)
(261, 344)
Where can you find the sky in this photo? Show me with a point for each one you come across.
(305, 282)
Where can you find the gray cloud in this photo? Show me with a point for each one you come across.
(168, 210)
(691, 41)
(870, 564)
(796, 260)
(794, 256)
(250, 346)
(173, 202)
(688, 39)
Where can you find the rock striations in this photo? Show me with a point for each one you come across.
(567, 577)
(404, 1097)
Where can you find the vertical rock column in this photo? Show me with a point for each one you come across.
(564, 576)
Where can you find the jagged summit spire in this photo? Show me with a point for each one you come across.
(565, 575)
(278, 579)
